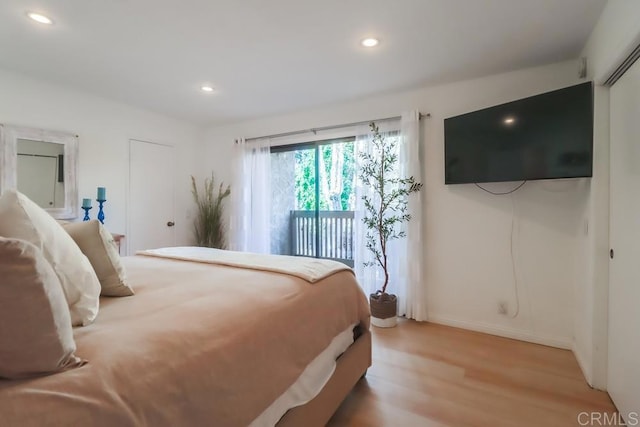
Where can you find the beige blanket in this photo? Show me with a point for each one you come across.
(309, 269)
(198, 345)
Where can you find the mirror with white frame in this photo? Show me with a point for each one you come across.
(42, 165)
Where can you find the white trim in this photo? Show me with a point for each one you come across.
(551, 341)
(584, 366)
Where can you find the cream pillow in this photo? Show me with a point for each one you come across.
(20, 218)
(97, 244)
(36, 337)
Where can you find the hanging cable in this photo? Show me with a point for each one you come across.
(513, 261)
(501, 194)
(511, 237)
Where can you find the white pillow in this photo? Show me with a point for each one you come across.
(35, 328)
(97, 244)
(20, 218)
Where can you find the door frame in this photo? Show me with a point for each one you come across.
(128, 192)
(614, 147)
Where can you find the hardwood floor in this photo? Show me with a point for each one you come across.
(431, 375)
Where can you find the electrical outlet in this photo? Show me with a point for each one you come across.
(503, 307)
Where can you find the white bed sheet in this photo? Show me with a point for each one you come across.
(309, 383)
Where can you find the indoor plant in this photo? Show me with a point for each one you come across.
(209, 225)
(386, 208)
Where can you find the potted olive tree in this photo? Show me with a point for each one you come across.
(386, 209)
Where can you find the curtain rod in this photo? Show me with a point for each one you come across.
(316, 130)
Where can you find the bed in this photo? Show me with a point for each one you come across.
(205, 344)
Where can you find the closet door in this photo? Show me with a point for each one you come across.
(624, 273)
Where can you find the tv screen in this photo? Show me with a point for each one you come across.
(542, 137)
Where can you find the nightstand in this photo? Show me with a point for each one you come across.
(117, 238)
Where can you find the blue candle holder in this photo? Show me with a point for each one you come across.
(86, 213)
(100, 211)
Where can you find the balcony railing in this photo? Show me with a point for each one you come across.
(335, 238)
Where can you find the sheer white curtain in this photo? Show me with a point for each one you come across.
(415, 298)
(370, 278)
(250, 225)
(405, 255)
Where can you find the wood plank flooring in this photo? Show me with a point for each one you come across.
(431, 375)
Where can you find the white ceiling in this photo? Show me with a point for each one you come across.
(274, 56)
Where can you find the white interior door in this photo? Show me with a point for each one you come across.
(624, 272)
(151, 198)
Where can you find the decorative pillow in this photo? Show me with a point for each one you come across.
(36, 336)
(20, 218)
(97, 244)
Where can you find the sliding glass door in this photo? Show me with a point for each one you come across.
(336, 200)
(313, 199)
(293, 200)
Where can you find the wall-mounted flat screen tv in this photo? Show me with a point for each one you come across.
(545, 136)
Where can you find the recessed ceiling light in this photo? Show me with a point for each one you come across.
(38, 17)
(370, 42)
(207, 88)
(509, 121)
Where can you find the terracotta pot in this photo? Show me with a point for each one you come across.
(384, 309)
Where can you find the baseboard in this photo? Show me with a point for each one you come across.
(558, 342)
(584, 366)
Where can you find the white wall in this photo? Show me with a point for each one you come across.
(613, 38)
(467, 234)
(104, 128)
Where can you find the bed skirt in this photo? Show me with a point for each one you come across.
(350, 368)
